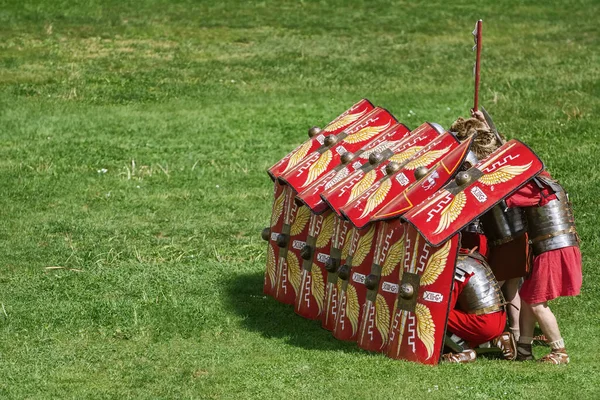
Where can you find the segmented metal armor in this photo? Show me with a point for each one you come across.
(552, 226)
(482, 293)
(502, 225)
(474, 226)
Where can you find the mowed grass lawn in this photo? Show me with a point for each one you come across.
(134, 139)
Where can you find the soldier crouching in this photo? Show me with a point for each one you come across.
(477, 313)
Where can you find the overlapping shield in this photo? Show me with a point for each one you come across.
(368, 246)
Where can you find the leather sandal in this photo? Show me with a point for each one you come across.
(463, 357)
(507, 343)
(557, 357)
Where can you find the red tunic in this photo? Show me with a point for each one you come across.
(554, 273)
(475, 329)
(510, 260)
(472, 240)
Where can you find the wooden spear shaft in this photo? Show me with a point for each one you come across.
(477, 65)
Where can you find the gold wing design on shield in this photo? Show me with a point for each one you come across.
(344, 172)
(343, 121)
(377, 197)
(338, 292)
(293, 270)
(394, 256)
(451, 212)
(352, 307)
(317, 286)
(347, 244)
(366, 133)
(298, 155)
(403, 156)
(302, 217)
(395, 307)
(504, 174)
(436, 265)
(318, 167)
(427, 158)
(277, 208)
(326, 232)
(362, 185)
(382, 317)
(271, 265)
(425, 328)
(363, 247)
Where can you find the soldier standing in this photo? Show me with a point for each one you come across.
(556, 266)
(556, 269)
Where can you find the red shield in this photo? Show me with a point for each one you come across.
(352, 276)
(469, 196)
(310, 299)
(346, 119)
(340, 247)
(356, 183)
(311, 196)
(438, 176)
(328, 157)
(382, 285)
(419, 318)
(291, 240)
(383, 191)
(275, 227)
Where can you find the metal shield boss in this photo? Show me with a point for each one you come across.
(340, 246)
(382, 286)
(310, 299)
(346, 119)
(420, 313)
(352, 276)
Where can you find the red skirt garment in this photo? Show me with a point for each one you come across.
(555, 273)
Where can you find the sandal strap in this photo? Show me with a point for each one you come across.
(556, 357)
(462, 357)
(524, 352)
(506, 342)
(541, 340)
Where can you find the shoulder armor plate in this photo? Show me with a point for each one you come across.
(482, 293)
(502, 225)
(552, 226)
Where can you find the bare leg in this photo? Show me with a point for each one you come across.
(511, 294)
(547, 321)
(526, 320)
(549, 326)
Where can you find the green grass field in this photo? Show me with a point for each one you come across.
(134, 139)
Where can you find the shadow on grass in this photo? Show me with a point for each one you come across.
(272, 319)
